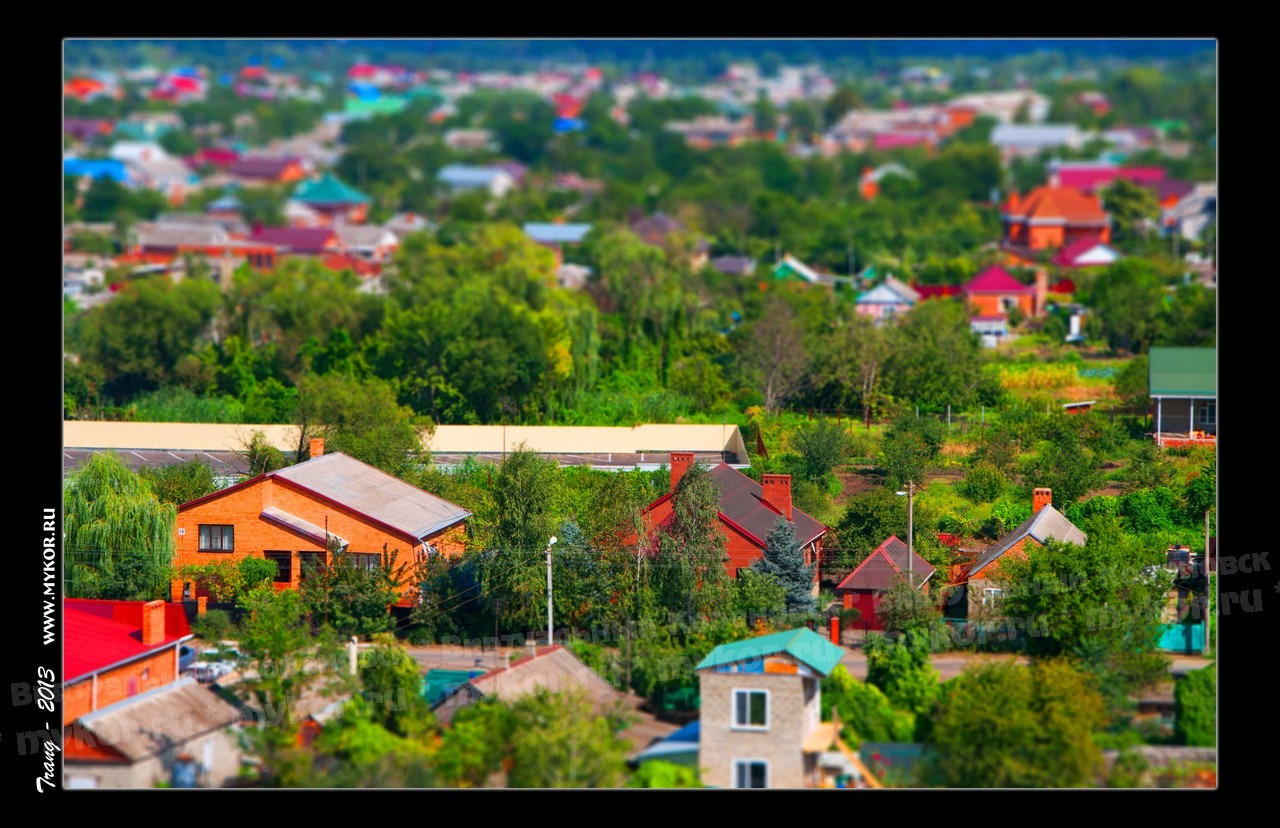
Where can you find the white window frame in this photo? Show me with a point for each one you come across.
(991, 596)
(737, 725)
(740, 764)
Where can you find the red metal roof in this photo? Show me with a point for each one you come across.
(885, 565)
(996, 279)
(1066, 257)
(1090, 179)
(935, 291)
(102, 633)
(297, 239)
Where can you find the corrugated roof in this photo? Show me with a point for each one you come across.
(1045, 525)
(374, 493)
(886, 565)
(172, 235)
(996, 279)
(1182, 372)
(556, 233)
(260, 166)
(277, 515)
(328, 190)
(100, 633)
(802, 644)
(742, 501)
(143, 725)
(296, 239)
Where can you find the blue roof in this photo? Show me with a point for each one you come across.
(556, 233)
(568, 125)
(96, 168)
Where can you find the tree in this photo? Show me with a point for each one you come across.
(1100, 603)
(690, 572)
(392, 683)
(180, 483)
(475, 743)
(658, 774)
(1133, 209)
(937, 361)
(784, 559)
(1131, 384)
(1064, 464)
(1126, 299)
(1195, 700)
(1003, 725)
(900, 667)
(869, 518)
(119, 538)
(513, 567)
(908, 611)
(841, 101)
(226, 582)
(758, 595)
(280, 652)
(352, 597)
(560, 741)
(772, 357)
(823, 445)
(262, 456)
(865, 713)
(361, 419)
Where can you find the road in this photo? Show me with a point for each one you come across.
(949, 665)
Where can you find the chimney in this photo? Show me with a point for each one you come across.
(776, 490)
(152, 622)
(202, 604)
(1013, 200)
(1041, 297)
(1040, 498)
(317, 446)
(680, 463)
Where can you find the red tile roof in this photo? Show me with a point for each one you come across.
(298, 239)
(936, 291)
(1057, 203)
(996, 279)
(102, 633)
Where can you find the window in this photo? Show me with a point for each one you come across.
(991, 597)
(1207, 412)
(750, 773)
(216, 538)
(310, 564)
(365, 560)
(284, 565)
(751, 709)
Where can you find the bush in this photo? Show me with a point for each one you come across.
(214, 625)
(983, 483)
(1195, 699)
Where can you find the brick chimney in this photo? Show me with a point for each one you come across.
(1040, 498)
(680, 463)
(153, 622)
(776, 491)
(317, 446)
(1041, 296)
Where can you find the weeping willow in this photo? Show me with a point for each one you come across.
(120, 540)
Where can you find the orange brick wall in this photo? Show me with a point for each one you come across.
(113, 685)
(742, 551)
(254, 535)
(991, 304)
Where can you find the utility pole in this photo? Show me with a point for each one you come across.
(549, 627)
(910, 493)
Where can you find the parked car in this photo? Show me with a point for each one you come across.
(216, 662)
(186, 657)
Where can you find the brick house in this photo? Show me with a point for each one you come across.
(748, 511)
(887, 564)
(761, 711)
(980, 579)
(1050, 218)
(994, 292)
(288, 516)
(130, 720)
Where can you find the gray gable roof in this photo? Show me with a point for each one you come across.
(1045, 525)
(374, 493)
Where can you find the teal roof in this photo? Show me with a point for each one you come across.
(1182, 372)
(803, 644)
(328, 190)
(437, 683)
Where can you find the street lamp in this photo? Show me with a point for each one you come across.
(911, 488)
(549, 545)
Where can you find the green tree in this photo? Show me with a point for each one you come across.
(758, 595)
(352, 596)
(1002, 725)
(1195, 706)
(772, 356)
(1126, 299)
(865, 713)
(119, 539)
(475, 743)
(360, 418)
(262, 456)
(869, 518)
(1100, 603)
(658, 774)
(900, 667)
(1133, 209)
(227, 582)
(392, 685)
(938, 361)
(784, 558)
(560, 741)
(1131, 383)
(513, 567)
(823, 446)
(280, 653)
(689, 568)
(181, 482)
(1065, 465)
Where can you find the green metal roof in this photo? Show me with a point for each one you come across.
(436, 683)
(328, 190)
(385, 105)
(802, 644)
(1182, 372)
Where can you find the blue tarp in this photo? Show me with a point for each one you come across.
(568, 125)
(96, 168)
